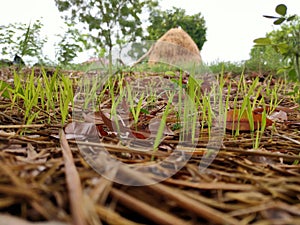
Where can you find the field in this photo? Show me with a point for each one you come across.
(148, 146)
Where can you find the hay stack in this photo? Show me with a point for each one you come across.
(175, 47)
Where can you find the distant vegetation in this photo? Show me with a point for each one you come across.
(277, 52)
(162, 21)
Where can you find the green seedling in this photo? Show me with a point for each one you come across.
(257, 95)
(5, 90)
(196, 104)
(190, 118)
(263, 124)
(50, 92)
(274, 101)
(66, 98)
(31, 97)
(248, 107)
(227, 98)
(260, 129)
(18, 91)
(162, 125)
(246, 104)
(111, 88)
(135, 109)
(41, 94)
(235, 104)
(295, 94)
(90, 92)
(114, 107)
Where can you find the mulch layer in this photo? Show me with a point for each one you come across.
(45, 179)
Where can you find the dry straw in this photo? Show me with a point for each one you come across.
(175, 47)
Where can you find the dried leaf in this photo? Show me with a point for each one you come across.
(140, 134)
(102, 132)
(278, 116)
(233, 122)
(106, 119)
(121, 127)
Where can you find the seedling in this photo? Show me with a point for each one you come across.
(162, 125)
(50, 92)
(66, 97)
(135, 109)
(40, 94)
(5, 90)
(274, 101)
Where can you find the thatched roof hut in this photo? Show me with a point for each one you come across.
(175, 47)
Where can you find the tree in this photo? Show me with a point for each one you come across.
(286, 40)
(266, 57)
(162, 21)
(69, 45)
(22, 39)
(107, 22)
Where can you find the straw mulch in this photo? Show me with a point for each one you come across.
(45, 180)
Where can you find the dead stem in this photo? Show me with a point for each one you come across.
(73, 183)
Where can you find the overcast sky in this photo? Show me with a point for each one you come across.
(232, 25)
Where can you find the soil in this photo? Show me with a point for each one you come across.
(46, 176)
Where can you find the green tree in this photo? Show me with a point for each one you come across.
(162, 21)
(286, 40)
(105, 23)
(69, 46)
(22, 39)
(266, 58)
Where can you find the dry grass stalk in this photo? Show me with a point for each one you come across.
(156, 215)
(73, 182)
(183, 201)
(111, 217)
(23, 190)
(13, 220)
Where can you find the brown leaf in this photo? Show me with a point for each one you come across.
(140, 134)
(102, 132)
(232, 122)
(106, 119)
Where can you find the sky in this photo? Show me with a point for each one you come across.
(232, 25)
